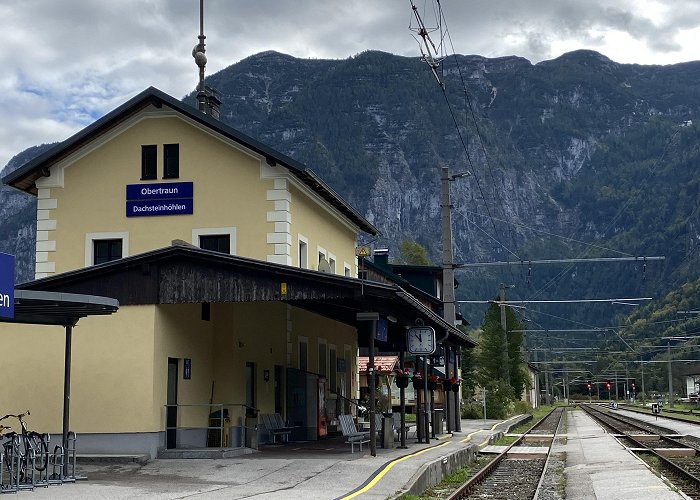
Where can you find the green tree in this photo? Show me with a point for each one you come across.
(412, 253)
(491, 369)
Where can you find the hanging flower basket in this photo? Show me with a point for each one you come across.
(432, 382)
(446, 385)
(401, 381)
(417, 381)
(452, 383)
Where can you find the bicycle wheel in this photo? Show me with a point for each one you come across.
(36, 442)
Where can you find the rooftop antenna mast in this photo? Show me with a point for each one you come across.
(201, 60)
(207, 100)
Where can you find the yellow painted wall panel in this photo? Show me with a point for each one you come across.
(316, 224)
(112, 373)
(228, 192)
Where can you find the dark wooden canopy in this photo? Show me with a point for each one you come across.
(182, 274)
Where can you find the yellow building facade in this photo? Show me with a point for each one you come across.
(212, 243)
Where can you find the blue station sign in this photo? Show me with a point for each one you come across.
(172, 198)
(7, 285)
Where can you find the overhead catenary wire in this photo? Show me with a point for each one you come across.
(431, 60)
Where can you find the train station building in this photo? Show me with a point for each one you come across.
(236, 274)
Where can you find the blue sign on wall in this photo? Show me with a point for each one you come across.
(7, 285)
(159, 207)
(171, 198)
(162, 191)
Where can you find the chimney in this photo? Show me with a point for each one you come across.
(381, 258)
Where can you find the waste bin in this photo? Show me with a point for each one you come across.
(437, 420)
(387, 432)
(250, 429)
(214, 431)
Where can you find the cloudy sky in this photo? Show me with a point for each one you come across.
(65, 63)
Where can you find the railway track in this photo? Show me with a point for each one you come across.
(678, 460)
(515, 474)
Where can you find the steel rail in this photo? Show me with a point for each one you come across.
(546, 462)
(486, 471)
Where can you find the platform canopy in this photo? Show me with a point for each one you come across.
(37, 307)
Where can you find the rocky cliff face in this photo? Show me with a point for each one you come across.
(545, 143)
(18, 219)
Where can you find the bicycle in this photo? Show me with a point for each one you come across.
(25, 452)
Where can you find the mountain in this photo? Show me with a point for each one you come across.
(18, 218)
(576, 149)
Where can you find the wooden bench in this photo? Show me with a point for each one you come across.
(275, 426)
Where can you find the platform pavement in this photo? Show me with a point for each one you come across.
(276, 476)
(684, 428)
(598, 467)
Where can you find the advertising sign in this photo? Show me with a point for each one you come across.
(171, 198)
(7, 285)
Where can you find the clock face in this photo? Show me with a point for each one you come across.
(421, 340)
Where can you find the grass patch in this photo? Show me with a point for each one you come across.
(505, 440)
(450, 482)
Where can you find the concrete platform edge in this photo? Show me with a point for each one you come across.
(432, 473)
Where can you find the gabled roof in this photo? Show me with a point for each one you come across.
(24, 177)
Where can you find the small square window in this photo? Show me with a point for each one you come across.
(216, 242)
(171, 158)
(106, 250)
(149, 162)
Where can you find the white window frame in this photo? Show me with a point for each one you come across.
(332, 262)
(303, 257)
(347, 270)
(216, 231)
(91, 237)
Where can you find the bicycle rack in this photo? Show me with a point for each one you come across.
(6, 466)
(70, 457)
(9, 463)
(43, 475)
(55, 465)
(26, 471)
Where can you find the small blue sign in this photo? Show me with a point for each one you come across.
(161, 191)
(7, 285)
(143, 208)
(382, 330)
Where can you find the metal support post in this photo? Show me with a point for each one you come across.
(66, 392)
(670, 378)
(371, 380)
